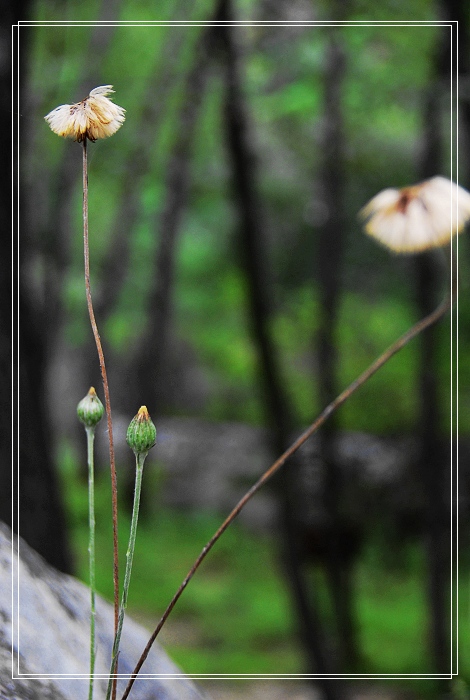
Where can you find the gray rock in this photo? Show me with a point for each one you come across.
(44, 654)
(212, 465)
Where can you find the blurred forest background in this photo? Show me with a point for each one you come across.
(236, 295)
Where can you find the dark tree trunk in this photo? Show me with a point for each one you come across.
(41, 520)
(9, 13)
(253, 249)
(459, 53)
(433, 459)
(38, 516)
(434, 465)
(254, 256)
(330, 260)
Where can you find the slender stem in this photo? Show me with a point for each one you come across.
(427, 321)
(104, 377)
(90, 433)
(140, 459)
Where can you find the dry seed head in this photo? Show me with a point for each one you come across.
(95, 117)
(415, 218)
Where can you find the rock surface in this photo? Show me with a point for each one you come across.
(211, 466)
(49, 637)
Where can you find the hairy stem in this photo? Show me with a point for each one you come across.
(104, 377)
(90, 433)
(415, 330)
(140, 459)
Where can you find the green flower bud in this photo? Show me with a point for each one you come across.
(141, 432)
(90, 409)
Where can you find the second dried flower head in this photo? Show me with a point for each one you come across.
(418, 217)
(95, 117)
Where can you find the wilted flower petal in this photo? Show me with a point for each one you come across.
(95, 117)
(418, 217)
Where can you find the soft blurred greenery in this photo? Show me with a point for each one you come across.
(237, 605)
(387, 75)
(235, 615)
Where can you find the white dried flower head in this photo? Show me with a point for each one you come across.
(95, 117)
(418, 217)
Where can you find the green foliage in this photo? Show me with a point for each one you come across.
(366, 329)
(235, 615)
(237, 608)
(387, 76)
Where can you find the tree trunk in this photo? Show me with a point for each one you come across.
(41, 520)
(8, 14)
(330, 259)
(432, 458)
(458, 51)
(254, 256)
(38, 515)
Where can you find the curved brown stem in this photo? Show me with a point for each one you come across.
(415, 330)
(104, 377)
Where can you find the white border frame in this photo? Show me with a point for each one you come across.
(454, 616)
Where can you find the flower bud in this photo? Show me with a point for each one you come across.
(90, 409)
(141, 432)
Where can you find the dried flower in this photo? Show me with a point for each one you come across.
(418, 217)
(90, 409)
(141, 432)
(95, 117)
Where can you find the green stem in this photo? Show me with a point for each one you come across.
(140, 459)
(90, 432)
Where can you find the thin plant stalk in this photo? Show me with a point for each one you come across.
(415, 330)
(140, 459)
(104, 377)
(90, 433)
